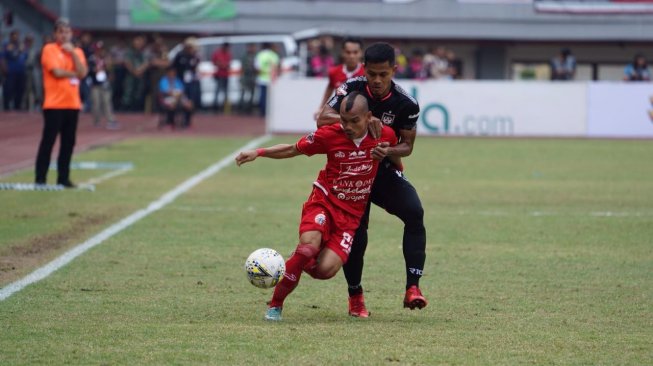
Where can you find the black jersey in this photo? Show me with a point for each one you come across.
(398, 109)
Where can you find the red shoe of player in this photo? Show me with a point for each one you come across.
(414, 298)
(357, 306)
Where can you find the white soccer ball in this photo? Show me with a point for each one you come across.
(265, 268)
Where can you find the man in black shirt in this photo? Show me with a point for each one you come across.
(392, 106)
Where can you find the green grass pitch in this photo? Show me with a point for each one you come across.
(539, 252)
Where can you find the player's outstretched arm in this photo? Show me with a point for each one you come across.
(281, 151)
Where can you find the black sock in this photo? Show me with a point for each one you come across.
(355, 290)
(414, 248)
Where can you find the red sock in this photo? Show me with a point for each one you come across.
(294, 267)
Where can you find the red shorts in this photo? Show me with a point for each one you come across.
(337, 226)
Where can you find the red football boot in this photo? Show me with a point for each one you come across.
(414, 298)
(357, 306)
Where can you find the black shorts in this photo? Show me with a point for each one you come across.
(393, 192)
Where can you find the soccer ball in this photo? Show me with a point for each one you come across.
(265, 267)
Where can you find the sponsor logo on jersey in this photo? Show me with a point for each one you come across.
(340, 155)
(349, 169)
(357, 155)
(387, 118)
(320, 219)
(310, 138)
(342, 90)
(413, 115)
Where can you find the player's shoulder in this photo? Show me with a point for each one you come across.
(330, 130)
(335, 69)
(404, 95)
(356, 83)
(49, 47)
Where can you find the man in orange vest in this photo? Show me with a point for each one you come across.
(64, 65)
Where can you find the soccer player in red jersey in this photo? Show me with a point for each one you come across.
(351, 67)
(391, 106)
(339, 198)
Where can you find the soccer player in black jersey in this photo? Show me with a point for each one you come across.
(392, 106)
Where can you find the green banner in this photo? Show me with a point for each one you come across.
(166, 11)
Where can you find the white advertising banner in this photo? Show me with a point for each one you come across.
(620, 110)
(292, 103)
(463, 108)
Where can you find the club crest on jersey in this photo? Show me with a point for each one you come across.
(310, 138)
(387, 118)
(340, 155)
(320, 219)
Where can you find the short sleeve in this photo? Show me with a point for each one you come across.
(409, 116)
(313, 143)
(48, 59)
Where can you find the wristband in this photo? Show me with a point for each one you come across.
(260, 151)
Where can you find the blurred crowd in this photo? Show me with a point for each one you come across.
(129, 75)
(432, 63)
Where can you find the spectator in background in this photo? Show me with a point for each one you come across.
(118, 73)
(416, 67)
(86, 44)
(322, 62)
(267, 68)
(638, 70)
(31, 97)
(157, 56)
(221, 58)
(15, 58)
(454, 66)
(63, 67)
(136, 65)
(185, 64)
(173, 99)
(437, 64)
(563, 66)
(247, 79)
(401, 62)
(98, 65)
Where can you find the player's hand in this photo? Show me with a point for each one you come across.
(68, 47)
(246, 156)
(375, 127)
(380, 151)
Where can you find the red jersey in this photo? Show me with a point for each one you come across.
(222, 60)
(350, 170)
(338, 74)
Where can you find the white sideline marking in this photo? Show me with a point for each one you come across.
(112, 230)
(111, 174)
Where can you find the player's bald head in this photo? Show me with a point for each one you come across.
(354, 102)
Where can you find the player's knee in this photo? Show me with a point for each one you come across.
(307, 250)
(412, 215)
(323, 274)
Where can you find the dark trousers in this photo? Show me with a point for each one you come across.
(394, 193)
(222, 86)
(263, 99)
(57, 121)
(13, 90)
